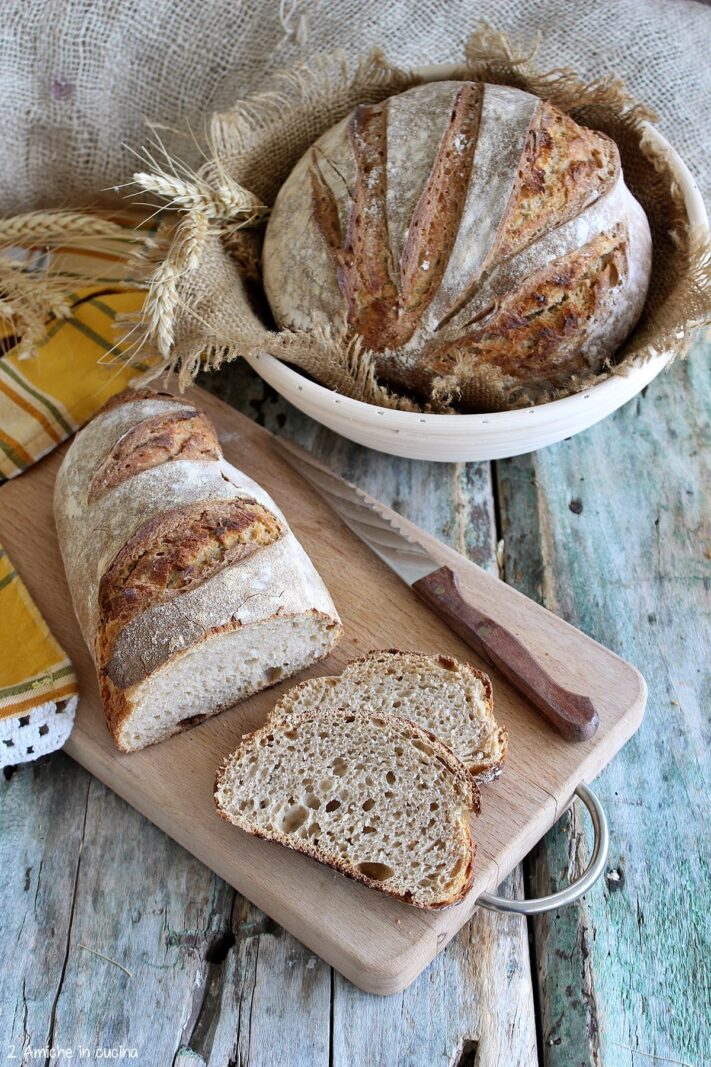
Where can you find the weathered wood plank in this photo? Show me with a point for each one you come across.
(43, 810)
(472, 1005)
(107, 919)
(268, 1002)
(476, 998)
(611, 530)
(212, 980)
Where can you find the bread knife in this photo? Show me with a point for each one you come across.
(573, 714)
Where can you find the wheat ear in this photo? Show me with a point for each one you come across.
(47, 227)
(30, 296)
(226, 201)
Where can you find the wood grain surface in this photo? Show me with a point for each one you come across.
(378, 943)
(618, 980)
(612, 530)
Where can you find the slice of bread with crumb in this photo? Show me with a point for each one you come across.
(374, 796)
(450, 699)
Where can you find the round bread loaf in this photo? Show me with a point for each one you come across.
(465, 232)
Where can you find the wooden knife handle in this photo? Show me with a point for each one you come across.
(573, 715)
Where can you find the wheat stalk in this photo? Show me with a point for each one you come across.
(189, 241)
(45, 227)
(28, 293)
(225, 201)
(29, 297)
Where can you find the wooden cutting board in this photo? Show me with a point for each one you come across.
(378, 943)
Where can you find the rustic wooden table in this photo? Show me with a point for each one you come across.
(112, 936)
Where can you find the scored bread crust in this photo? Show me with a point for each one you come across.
(209, 551)
(483, 769)
(186, 434)
(169, 554)
(408, 729)
(413, 220)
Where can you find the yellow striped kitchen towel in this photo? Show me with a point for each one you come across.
(38, 687)
(44, 399)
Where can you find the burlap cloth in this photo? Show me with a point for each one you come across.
(80, 78)
(106, 67)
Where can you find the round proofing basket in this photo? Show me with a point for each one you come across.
(464, 438)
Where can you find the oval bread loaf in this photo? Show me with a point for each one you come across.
(468, 234)
(190, 589)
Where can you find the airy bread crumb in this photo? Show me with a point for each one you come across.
(450, 699)
(374, 796)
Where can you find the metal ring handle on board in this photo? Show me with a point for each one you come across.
(576, 889)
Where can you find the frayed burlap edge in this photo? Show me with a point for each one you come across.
(204, 309)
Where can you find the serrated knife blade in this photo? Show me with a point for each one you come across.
(363, 515)
(573, 714)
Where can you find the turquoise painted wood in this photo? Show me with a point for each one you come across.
(612, 531)
(112, 936)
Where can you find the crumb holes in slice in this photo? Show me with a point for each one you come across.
(293, 818)
(456, 871)
(379, 872)
(292, 733)
(333, 805)
(390, 778)
(427, 749)
(368, 804)
(339, 766)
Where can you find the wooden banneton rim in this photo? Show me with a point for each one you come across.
(494, 435)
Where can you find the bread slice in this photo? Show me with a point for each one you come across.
(450, 699)
(374, 796)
